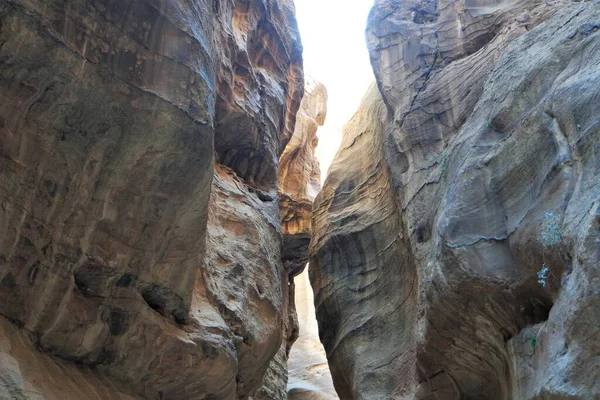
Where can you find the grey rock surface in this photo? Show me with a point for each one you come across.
(430, 231)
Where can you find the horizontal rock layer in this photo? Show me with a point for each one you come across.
(472, 168)
(139, 222)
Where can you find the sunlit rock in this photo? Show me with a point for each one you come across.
(298, 184)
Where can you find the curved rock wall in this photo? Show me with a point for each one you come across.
(358, 273)
(139, 223)
(476, 170)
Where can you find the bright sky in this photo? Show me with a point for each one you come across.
(335, 53)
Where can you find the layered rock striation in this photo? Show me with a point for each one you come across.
(140, 235)
(455, 250)
(300, 177)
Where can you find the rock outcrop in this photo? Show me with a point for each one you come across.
(300, 177)
(140, 236)
(356, 268)
(455, 250)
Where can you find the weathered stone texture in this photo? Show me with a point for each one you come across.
(300, 178)
(125, 243)
(357, 255)
(428, 233)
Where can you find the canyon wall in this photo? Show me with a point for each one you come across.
(455, 250)
(140, 233)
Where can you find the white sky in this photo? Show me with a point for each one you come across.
(335, 53)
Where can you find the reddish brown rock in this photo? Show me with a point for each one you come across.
(479, 148)
(125, 244)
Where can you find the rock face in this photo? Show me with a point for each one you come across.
(139, 223)
(356, 255)
(471, 170)
(300, 177)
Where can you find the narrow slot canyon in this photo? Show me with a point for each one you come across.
(309, 375)
(299, 199)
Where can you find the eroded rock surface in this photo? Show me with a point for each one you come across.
(139, 224)
(357, 272)
(479, 145)
(300, 177)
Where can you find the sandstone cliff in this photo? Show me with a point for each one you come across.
(455, 250)
(300, 181)
(140, 236)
